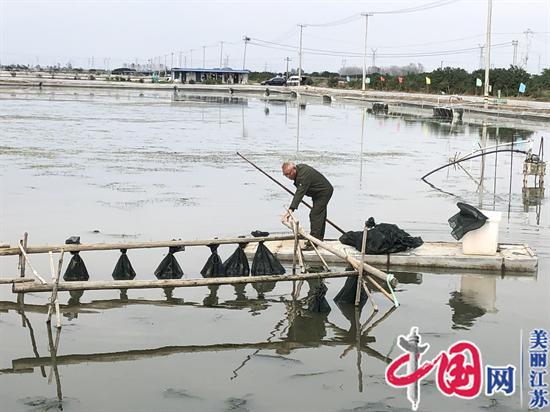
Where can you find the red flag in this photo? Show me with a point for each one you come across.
(382, 79)
(400, 80)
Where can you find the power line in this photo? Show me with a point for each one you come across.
(287, 47)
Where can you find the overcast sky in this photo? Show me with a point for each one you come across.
(118, 32)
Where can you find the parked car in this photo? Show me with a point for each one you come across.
(274, 81)
(293, 81)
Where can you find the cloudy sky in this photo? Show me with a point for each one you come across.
(430, 32)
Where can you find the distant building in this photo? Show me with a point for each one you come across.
(224, 76)
(123, 70)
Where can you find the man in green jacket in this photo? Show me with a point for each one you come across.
(309, 182)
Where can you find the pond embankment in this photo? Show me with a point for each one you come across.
(510, 108)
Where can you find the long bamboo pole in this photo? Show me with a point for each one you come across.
(289, 191)
(139, 245)
(149, 284)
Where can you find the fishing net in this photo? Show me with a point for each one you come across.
(237, 263)
(213, 267)
(316, 300)
(123, 268)
(76, 270)
(265, 263)
(469, 218)
(382, 238)
(169, 267)
(346, 295)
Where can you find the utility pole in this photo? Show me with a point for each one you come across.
(300, 54)
(246, 40)
(221, 53)
(374, 58)
(181, 59)
(487, 54)
(191, 57)
(165, 56)
(286, 73)
(203, 57)
(527, 33)
(480, 65)
(515, 58)
(364, 83)
(441, 67)
(172, 62)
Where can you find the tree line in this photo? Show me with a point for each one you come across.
(448, 80)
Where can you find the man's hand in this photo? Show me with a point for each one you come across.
(286, 216)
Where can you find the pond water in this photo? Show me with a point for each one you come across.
(113, 166)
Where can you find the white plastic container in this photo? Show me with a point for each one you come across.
(483, 241)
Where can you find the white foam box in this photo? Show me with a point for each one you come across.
(483, 241)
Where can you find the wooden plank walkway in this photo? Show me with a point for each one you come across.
(445, 255)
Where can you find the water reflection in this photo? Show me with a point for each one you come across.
(296, 330)
(476, 297)
(222, 100)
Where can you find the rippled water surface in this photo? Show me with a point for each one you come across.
(119, 166)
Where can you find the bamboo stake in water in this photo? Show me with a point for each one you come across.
(360, 270)
(21, 259)
(53, 300)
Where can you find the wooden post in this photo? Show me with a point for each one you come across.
(21, 297)
(54, 302)
(296, 246)
(23, 242)
(321, 258)
(360, 270)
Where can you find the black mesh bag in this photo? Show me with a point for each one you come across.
(265, 263)
(169, 267)
(316, 300)
(213, 267)
(123, 269)
(469, 218)
(348, 292)
(76, 270)
(237, 263)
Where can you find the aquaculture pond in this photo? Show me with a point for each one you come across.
(124, 166)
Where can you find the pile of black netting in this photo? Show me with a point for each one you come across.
(382, 238)
(467, 219)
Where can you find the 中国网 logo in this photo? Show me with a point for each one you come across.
(459, 370)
